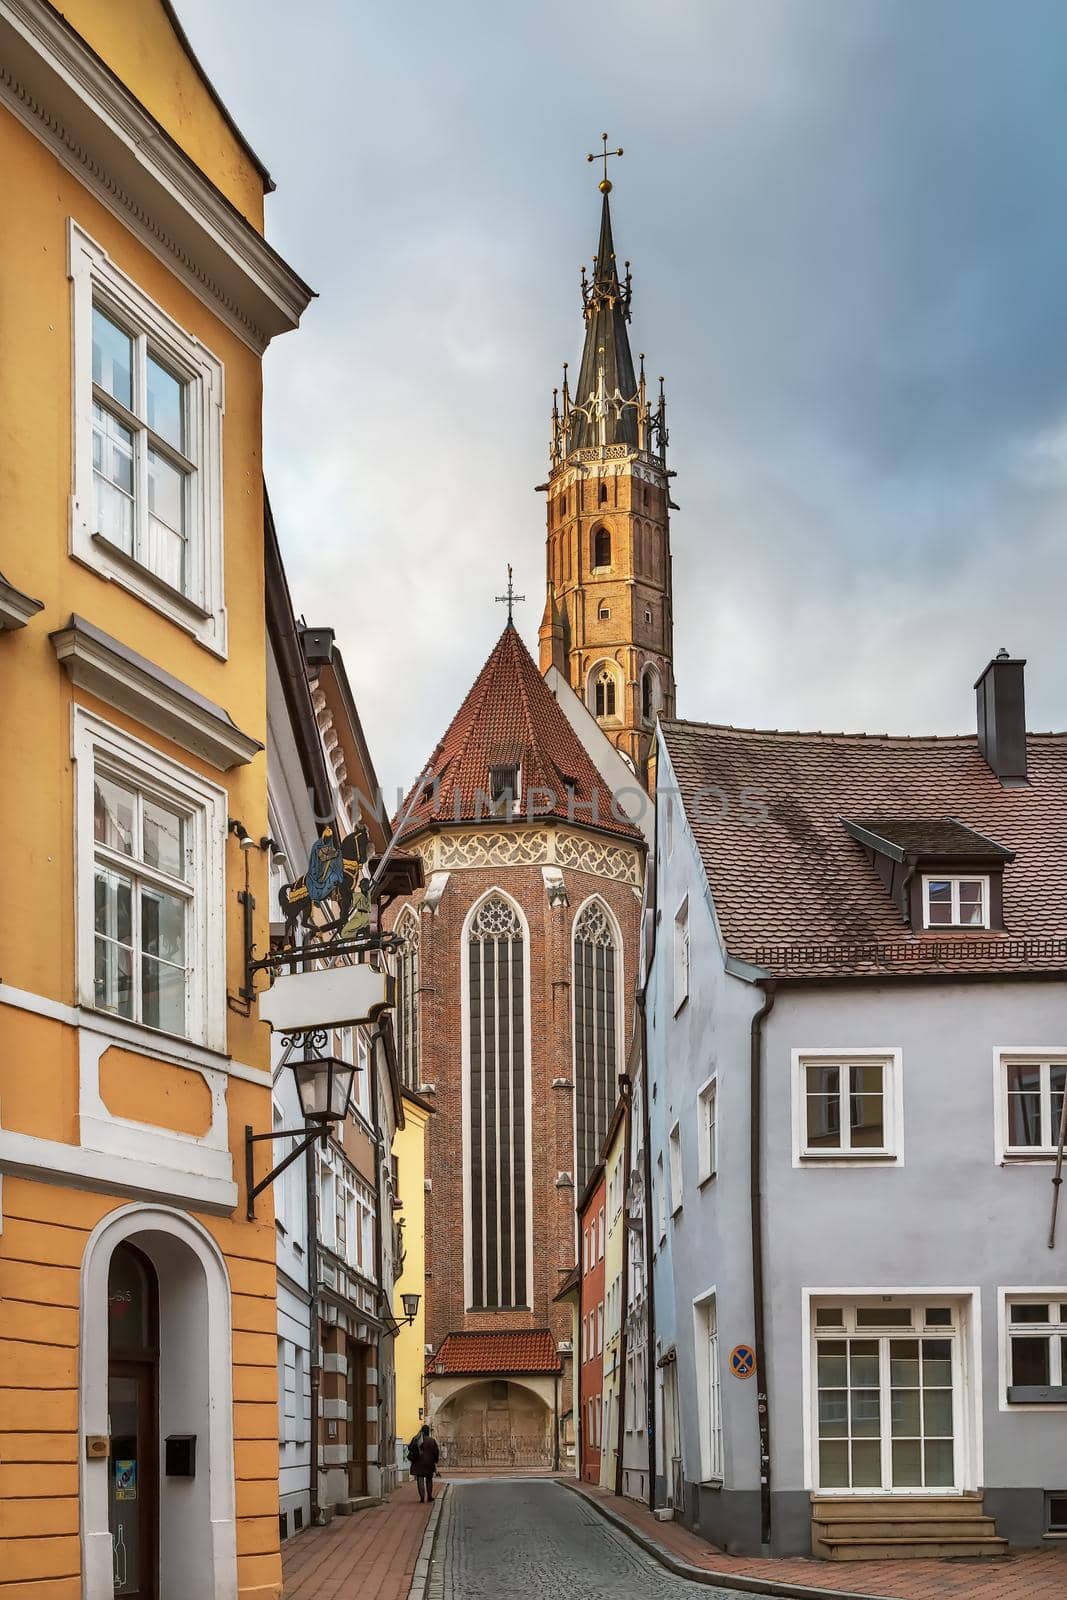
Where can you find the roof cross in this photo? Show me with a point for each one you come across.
(509, 598)
(605, 182)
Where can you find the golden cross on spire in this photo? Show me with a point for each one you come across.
(605, 183)
(510, 598)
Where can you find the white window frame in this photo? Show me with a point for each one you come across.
(708, 1129)
(661, 1198)
(892, 1154)
(600, 1329)
(600, 1234)
(955, 879)
(682, 970)
(204, 809)
(202, 611)
(1005, 1297)
(709, 1386)
(677, 1176)
(1045, 1056)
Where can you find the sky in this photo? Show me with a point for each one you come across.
(847, 221)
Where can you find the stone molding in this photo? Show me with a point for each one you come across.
(528, 847)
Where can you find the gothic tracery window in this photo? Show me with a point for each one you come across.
(497, 1117)
(595, 1063)
(407, 1000)
(604, 694)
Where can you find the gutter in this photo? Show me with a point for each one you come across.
(314, 1370)
(755, 1120)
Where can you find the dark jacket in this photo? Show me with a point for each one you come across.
(423, 1455)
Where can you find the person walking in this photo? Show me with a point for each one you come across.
(424, 1456)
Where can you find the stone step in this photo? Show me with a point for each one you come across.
(937, 1507)
(830, 1529)
(908, 1547)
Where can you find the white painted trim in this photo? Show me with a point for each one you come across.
(205, 807)
(16, 608)
(955, 879)
(59, 89)
(969, 1414)
(892, 1103)
(705, 1431)
(49, 1161)
(144, 1223)
(1003, 1154)
(468, 1261)
(706, 1172)
(1019, 1292)
(94, 276)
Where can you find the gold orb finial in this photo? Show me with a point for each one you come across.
(604, 185)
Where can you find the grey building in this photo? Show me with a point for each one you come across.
(857, 1051)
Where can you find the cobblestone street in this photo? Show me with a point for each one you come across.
(533, 1540)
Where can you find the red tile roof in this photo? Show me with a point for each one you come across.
(507, 1350)
(511, 717)
(794, 892)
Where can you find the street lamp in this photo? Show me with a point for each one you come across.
(410, 1303)
(324, 1087)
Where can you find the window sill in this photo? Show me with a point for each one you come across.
(1027, 1158)
(706, 1180)
(1030, 1394)
(676, 1211)
(151, 580)
(682, 1003)
(843, 1157)
(710, 1483)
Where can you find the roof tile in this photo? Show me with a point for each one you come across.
(505, 1350)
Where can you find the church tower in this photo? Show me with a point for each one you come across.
(608, 624)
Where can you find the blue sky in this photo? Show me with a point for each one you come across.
(848, 227)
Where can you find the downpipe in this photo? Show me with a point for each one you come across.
(755, 1121)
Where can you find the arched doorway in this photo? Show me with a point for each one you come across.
(156, 1379)
(495, 1424)
(133, 1421)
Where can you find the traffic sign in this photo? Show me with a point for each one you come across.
(742, 1361)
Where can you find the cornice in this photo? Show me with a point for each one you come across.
(121, 678)
(16, 608)
(72, 102)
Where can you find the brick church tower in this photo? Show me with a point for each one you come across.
(517, 962)
(608, 624)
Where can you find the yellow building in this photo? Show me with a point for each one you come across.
(138, 1384)
(409, 1154)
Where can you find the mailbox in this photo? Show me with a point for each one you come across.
(181, 1455)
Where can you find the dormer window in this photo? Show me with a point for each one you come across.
(955, 902)
(504, 787)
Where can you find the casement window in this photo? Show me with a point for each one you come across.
(604, 693)
(497, 1133)
(668, 825)
(886, 1384)
(681, 955)
(1030, 1092)
(596, 983)
(709, 1395)
(407, 999)
(327, 1205)
(148, 404)
(707, 1131)
(674, 1151)
(600, 1329)
(661, 1199)
(150, 886)
(600, 1234)
(955, 902)
(1036, 1333)
(847, 1106)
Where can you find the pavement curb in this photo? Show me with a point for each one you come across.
(726, 1580)
(422, 1564)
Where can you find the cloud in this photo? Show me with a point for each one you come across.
(848, 238)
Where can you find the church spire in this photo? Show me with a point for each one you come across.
(605, 406)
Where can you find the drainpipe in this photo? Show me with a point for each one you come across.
(314, 1371)
(755, 1115)
(379, 1254)
(650, 1298)
(624, 1290)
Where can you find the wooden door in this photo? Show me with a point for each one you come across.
(356, 1395)
(133, 1485)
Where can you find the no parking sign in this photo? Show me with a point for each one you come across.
(742, 1361)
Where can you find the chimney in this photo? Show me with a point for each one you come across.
(1002, 719)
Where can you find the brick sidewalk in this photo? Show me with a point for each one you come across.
(1029, 1575)
(370, 1555)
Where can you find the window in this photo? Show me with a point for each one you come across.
(847, 1107)
(885, 1400)
(151, 884)
(648, 615)
(604, 693)
(955, 902)
(497, 1133)
(600, 1329)
(681, 955)
(407, 999)
(707, 1131)
(1056, 1511)
(661, 1199)
(1031, 1092)
(596, 980)
(604, 613)
(674, 1150)
(147, 504)
(504, 786)
(600, 1235)
(668, 825)
(649, 697)
(709, 1396)
(602, 493)
(601, 548)
(1037, 1348)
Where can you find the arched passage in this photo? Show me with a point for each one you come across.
(494, 1422)
(182, 1274)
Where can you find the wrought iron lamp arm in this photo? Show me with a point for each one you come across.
(320, 1133)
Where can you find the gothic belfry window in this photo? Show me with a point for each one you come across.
(407, 999)
(604, 694)
(602, 548)
(595, 1065)
(496, 1106)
